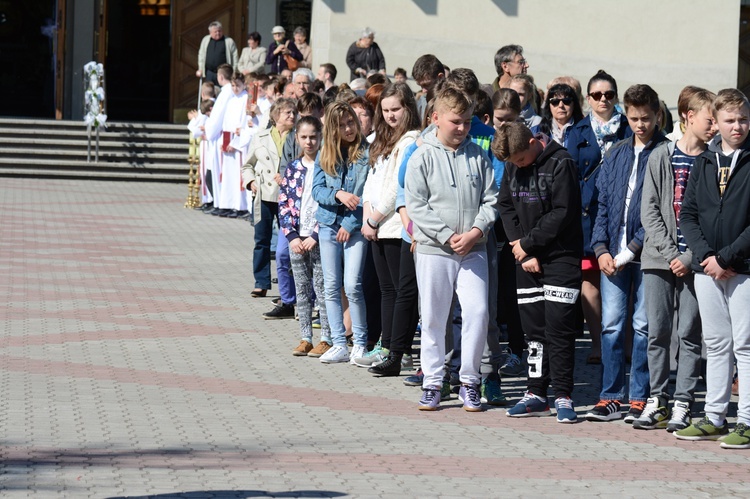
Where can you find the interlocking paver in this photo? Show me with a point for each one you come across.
(134, 363)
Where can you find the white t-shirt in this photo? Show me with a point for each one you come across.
(308, 205)
(623, 244)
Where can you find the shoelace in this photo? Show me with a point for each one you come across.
(604, 403)
(741, 429)
(564, 403)
(472, 394)
(680, 413)
(526, 397)
(428, 394)
(638, 406)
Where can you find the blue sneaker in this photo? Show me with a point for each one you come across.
(469, 395)
(414, 379)
(565, 411)
(529, 406)
(513, 367)
(491, 392)
(430, 398)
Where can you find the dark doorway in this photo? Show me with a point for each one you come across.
(137, 61)
(27, 80)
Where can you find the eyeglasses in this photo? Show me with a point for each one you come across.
(597, 96)
(565, 100)
(521, 62)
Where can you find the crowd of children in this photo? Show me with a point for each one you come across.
(473, 207)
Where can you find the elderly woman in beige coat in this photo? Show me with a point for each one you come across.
(253, 58)
(261, 174)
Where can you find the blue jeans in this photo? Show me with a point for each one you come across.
(287, 291)
(343, 264)
(616, 291)
(262, 249)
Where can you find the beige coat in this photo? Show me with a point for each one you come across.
(261, 166)
(252, 60)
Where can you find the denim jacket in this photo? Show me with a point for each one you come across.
(350, 177)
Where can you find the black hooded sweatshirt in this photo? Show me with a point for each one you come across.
(541, 205)
(716, 225)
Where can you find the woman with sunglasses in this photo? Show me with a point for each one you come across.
(587, 142)
(561, 111)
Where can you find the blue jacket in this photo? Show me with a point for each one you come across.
(612, 185)
(350, 178)
(582, 146)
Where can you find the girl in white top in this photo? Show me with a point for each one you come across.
(396, 127)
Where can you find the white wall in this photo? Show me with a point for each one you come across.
(665, 43)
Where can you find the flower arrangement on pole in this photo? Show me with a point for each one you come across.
(93, 74)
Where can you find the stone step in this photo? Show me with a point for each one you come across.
(127, 151)
(132, 175)
(138, 155)
(42, 141)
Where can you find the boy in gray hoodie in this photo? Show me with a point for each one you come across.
(667, 277)
(450, 195)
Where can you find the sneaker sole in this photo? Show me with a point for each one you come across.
(331, 361)
(725, 445)
(661, 425)
(699, 437)
(610, 417)
(427, 408)
(496, 403)
(567, 421)
(672, 429)
(468, 408)
(412, 383)
(299, 354)
(537, 414)
(364, 362)
(276, 318)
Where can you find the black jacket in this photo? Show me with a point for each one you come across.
(714, 224)
(541, 205)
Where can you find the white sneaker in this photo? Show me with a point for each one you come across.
(335, 354)
(357, 352)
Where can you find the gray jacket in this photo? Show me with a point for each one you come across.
(657, 212)
(449, 192)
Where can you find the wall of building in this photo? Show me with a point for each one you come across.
(667, 43)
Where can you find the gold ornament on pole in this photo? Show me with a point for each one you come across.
(194, 179)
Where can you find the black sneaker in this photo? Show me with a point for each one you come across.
(282, 311)
(604, 410)
(391, 366)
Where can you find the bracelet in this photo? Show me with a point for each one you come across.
(373, 225)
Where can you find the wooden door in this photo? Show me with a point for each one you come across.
(743, 63)
(59, 59)
(190, 20)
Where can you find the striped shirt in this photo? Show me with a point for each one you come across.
(681, 164)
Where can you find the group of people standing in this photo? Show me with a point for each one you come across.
(474, 206)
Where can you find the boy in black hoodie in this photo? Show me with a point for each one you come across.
(540, 206)
(715, 220)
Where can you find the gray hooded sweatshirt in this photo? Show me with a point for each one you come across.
(657, 212)
(448, 192)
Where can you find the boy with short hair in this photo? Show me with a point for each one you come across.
(450, 195)
(715, 220)
(667, 278)
(540, 203)
(617, 240)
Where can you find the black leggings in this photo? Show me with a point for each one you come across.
(406, 309)
(386, 255)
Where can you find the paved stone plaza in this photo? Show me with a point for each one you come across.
(133, 363)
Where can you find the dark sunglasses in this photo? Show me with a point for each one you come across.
(565, 100)
(597, 96)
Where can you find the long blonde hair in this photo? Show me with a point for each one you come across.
(330, 153)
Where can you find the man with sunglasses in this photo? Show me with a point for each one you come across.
(509, 61)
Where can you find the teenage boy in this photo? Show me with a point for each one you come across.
(450, 195)
(715, 220)
(540, 202)
(667, 278)
(617, 240)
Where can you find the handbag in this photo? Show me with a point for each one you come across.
(291, 62)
